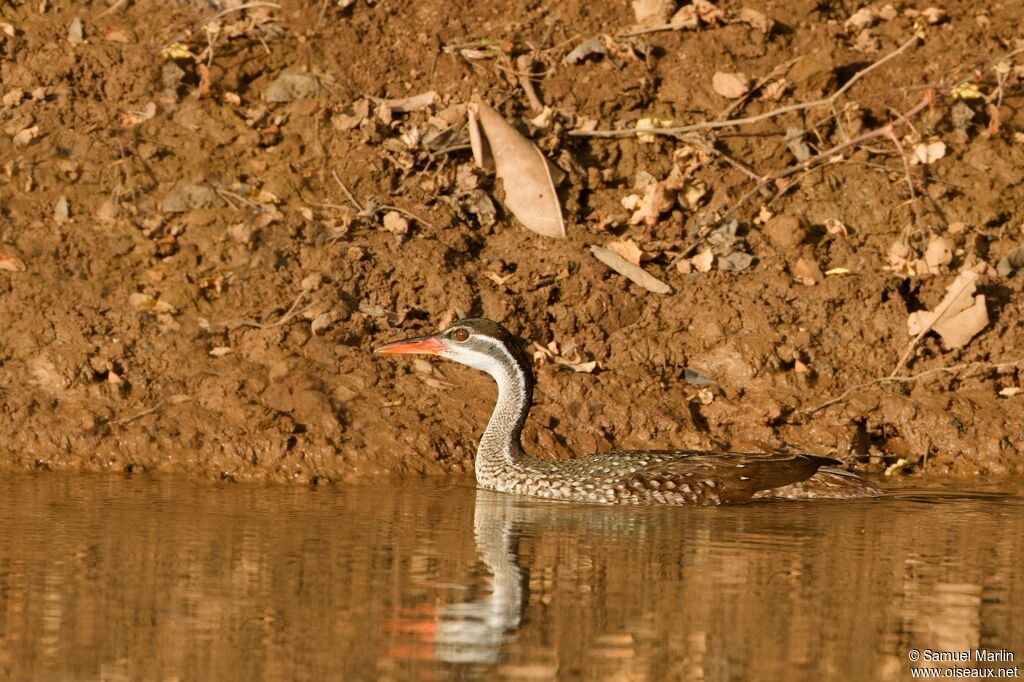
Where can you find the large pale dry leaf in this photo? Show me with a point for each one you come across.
(528, 178)
(958, 317)
(635, 274)
(730, 85)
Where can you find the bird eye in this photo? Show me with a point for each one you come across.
(460, 334)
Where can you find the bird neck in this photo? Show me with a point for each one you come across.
(500, 445)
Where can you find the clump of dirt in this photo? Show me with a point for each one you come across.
(209, 218)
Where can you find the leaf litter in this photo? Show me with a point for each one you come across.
(958, 318)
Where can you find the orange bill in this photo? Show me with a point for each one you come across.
(421, 344)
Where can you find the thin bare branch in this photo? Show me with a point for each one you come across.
(713, 125)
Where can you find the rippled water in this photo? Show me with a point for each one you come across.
(138, 579)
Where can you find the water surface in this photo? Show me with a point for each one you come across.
(106, 578)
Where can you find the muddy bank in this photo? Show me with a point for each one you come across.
(159, 217)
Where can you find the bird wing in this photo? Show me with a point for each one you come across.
(724, 477)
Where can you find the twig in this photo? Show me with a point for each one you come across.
(810, 163)
(292, 312)
(525, 63)
(113, 8)
(226, 193)
(248, 322)
(348, 194)
(761, 82)
(173, 400)
(407, 214)
(906, 170)
(371, 210)
(239, 8)
(713, 125)
(714, 151)
(882, 381)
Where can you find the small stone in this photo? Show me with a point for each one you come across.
(785, 231)
(292, 85)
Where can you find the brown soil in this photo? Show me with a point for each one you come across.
(98, 372)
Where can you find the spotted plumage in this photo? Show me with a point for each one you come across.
(686, 477)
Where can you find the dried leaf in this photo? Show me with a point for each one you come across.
(498, 279)
(582, 367)
(938, 253)
(967, 90)
(703, 261)
(797, 145)
(351, 118)
(737, 261)
(628, 249)
(631, 202)
(836, 228)
(696, 13)
(11, 263)
(759, 21)
(653, 12)
(656, 200)
(61, 210)
(205, 81)
(807, 272)
(861, 19)
(117, 35)
(177, 51)
(24, 137)
(323, 321)
(75, 32)
(631, 272)
(527, 176)
(958, 318)
(774, 91)
(934, 15)
(141, 301)
(404, 105)
(588, 48)
(394, 222)
(481, 149)
(651, 124)
(928, 152)
(730, 85)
